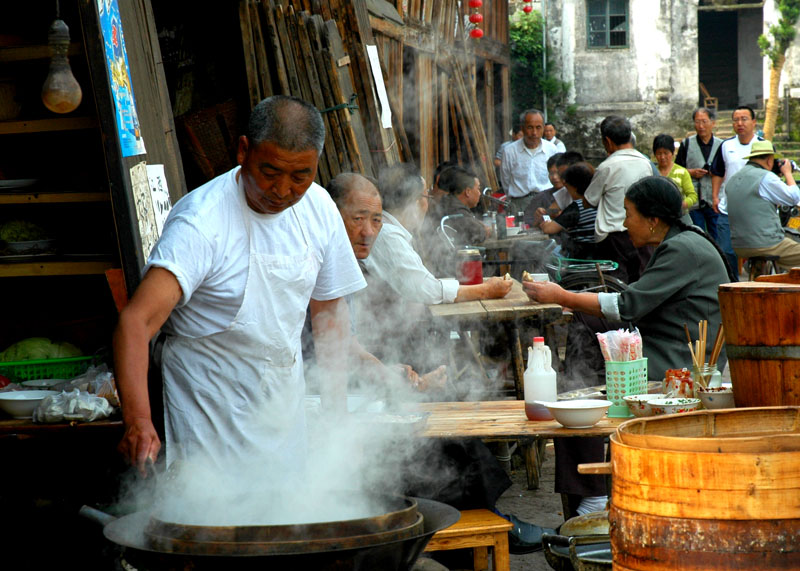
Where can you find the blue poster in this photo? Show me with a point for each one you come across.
(130, 136)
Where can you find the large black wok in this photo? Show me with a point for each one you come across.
(376, 553)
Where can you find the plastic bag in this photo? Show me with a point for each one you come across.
(98, 381)
(620, 345)
(72, 405)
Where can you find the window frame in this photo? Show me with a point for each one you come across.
(607, 17)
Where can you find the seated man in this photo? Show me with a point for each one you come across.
(752, 195)
(398, 281)
(577, 219)
(359, 203)
(463, 192)
(462, 473)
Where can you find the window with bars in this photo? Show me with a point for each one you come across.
(607, 23)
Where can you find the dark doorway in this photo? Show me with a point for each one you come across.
(718, 48)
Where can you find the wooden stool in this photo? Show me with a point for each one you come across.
(478, 529)
(761, 265)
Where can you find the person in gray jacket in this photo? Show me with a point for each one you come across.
(753, 192)
(679, 285)
(695, 155)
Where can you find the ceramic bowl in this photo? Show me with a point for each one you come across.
(21, 404)
(581, 413)
(720, 397)
(639, 405)
(43, 384)
(673, 405)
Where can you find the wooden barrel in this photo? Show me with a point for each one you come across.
(762, 339)
(692, 507)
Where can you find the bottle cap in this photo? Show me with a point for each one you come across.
(538, 340)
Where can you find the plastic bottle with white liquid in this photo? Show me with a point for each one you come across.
(539, 381)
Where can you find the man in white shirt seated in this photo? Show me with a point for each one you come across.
(399, 285)
(752, 195)
(524, 162)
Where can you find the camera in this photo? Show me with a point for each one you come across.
(776, 167)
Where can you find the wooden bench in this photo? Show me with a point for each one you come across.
(478, 529)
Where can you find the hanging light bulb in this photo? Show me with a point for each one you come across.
(61, 92)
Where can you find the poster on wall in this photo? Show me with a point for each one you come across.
(128, 131)
(145, 214)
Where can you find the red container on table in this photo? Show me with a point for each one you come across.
(469, 268)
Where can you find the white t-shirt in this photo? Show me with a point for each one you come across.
(732, 153)
(205, 244)
(607, 190)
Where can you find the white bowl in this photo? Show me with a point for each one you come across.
(674, 405)
(21, 404)
(513, 230)
(720, 397)
(581, 413)
(43, 384)
(639, 405)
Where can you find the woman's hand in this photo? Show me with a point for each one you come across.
(543, 292)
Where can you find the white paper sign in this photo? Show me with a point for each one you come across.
(377, 75)
(148, 232)
(159, 194)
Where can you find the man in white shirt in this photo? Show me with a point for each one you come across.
(550, 135)
(624, 166)
(752, 194)
(240, 260)
(399, 283)
(524, 167)
(726, 163)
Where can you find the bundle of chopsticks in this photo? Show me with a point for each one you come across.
(698, 347)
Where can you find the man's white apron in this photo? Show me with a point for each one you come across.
(237, 395)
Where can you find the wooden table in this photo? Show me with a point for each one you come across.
(509, 310)
(498, 252)
(506, 243)
(504, 421)
(22, 428)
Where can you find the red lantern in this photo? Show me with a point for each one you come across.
(476, 18)
(479, 3)
(527, 1)
(476, 33)
(527, 8)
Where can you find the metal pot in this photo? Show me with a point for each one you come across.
(382, 550)
(582, 545)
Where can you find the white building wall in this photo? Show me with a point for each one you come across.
(652, 81)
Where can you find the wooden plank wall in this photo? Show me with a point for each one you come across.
(445, 88)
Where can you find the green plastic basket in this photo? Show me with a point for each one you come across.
(624, 378)
(68, 368)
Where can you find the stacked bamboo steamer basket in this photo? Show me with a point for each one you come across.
(716, 489)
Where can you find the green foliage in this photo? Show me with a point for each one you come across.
(529, 82)
(783, 33)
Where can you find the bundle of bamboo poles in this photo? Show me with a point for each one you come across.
(293, 52)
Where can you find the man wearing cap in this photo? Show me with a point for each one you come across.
(752, 194)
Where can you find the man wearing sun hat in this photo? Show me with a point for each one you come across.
(752, 194)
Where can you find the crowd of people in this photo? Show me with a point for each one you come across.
(261, 259)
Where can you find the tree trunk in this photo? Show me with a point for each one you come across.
(773, 101)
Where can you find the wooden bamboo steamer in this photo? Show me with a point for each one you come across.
(702, 508)
(762, 339)
(748, 430)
